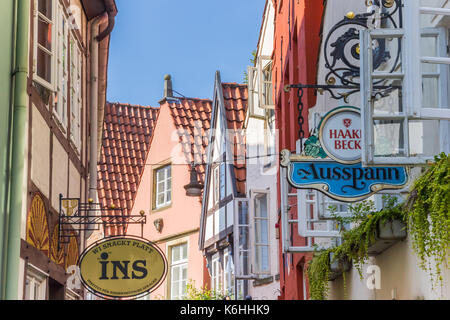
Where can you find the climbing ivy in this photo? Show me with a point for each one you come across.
(428, 211)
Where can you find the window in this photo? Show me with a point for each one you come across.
(219, 183)
(229, 274)
(163, 187)
(407, 124)
(62, 70)
(75, 91)
(265, 83)
(35, 285)
(242, 245)
(313, 211)
(261, 234)
(44, 50)
(178, 271)
(216, 274)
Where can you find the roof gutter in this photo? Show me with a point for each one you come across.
(111, 10)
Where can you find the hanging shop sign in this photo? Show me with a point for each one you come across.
(122, 267)
(340, 135)
(331, 161)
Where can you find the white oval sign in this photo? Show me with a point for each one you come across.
(340, 134)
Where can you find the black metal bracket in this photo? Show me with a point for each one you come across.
(76, 216)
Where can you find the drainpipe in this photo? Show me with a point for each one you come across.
(93, 158)
(17, 147)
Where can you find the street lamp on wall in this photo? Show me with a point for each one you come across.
(194, 188)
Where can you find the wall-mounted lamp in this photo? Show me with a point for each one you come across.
(194, 188)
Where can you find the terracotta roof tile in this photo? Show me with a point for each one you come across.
(236, 103)
(192, 119)
(117, 182)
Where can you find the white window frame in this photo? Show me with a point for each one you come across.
(216, 184)
(307, 218)
(219, 178)
(62, 89)
(216, 274)
(37, 15)
(411, 76)
(228, 279)
(35, 279)
(76, 99)
(265, 64)
(257, 219)
(238, 246)
(166, 190)
(178, 265)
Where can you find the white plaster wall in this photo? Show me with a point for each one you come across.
(260, 178)
(59, 175)
(74, 182)
(401, 278)
(40, 153)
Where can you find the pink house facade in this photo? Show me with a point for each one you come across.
(173, 218)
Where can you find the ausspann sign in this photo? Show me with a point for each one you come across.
(331, 162)
(122, 267)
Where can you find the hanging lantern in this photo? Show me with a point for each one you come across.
(194, 188)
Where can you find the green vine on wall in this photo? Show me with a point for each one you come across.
(355, 242)
(428, 210)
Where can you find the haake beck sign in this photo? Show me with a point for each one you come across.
(332, 161)
(340, 135)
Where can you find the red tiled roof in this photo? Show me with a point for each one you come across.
(236, 103)
(192, 119)
(127, 135)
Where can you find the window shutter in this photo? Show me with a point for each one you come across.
(406, 134)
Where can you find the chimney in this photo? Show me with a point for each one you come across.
(168, 92)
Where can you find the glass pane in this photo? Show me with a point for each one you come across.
(262, 206)
(160, 187)
(175, 274)
(184, 251)
(184, 274)
(160, 175)
(44, 34)
(430, 87)
(243, 238)
(389, 139)
(390, 102)
(243, 213)
(264, 258)
(428, 48)
(160, 199)
(175, 254)
(45, 8)
(44, 65)
(424, 138)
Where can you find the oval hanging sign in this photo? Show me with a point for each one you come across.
(122, 267)
(340, 134)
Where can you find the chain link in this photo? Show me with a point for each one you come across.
(301, 120)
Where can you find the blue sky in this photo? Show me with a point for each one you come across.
(189, 39)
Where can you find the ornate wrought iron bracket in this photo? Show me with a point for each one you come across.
(76, 216)
(379, 91)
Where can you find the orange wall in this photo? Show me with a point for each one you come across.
(296, 48)
(183, 215)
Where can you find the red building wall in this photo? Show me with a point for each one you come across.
(296, 48)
